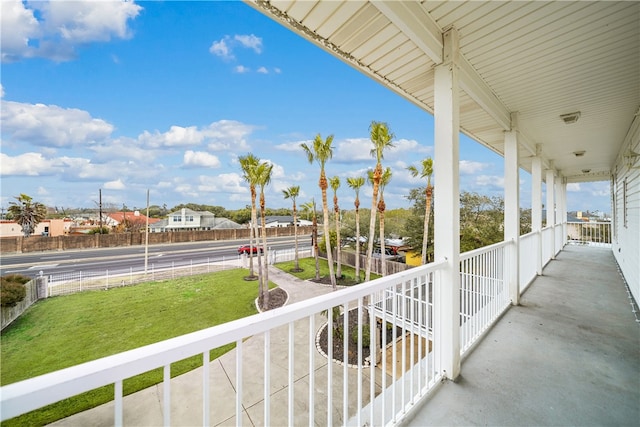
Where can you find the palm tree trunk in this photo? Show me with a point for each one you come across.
(338, 250)
(295, 236)
(383, 265)
(357, 244)
(377, 173)
(327, 237)
(265, 274)
(252, 232)
(315, 245)
(427, 217)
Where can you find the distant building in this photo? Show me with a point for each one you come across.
(48, 227)
(282, 221)
(187, 220)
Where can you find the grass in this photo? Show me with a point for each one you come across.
(65, 331)
(309, 271)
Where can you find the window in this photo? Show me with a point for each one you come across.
(189, 218)
(176, 218)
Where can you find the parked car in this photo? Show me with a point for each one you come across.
(246, 249)
(389, 253)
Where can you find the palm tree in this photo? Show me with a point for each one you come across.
(334, 182)
(426, 172)
(26, 213)
(356, 183)
(384, 180)
(311, 208)
(381, 138)
(249, 163)
(321, 151)
(292, 193)
(263, 172)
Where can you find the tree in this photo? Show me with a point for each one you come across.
(425, 172)
(27, 213)
(413, 231)
(481, 220)
(356, 183)
(321, 151)
(334, 182)
(310, 207)
(263, 172)
(384, 180)
(249, 164)
(381, 138)
(292, 193)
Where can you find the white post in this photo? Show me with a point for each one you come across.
(447, 210)
(563, 218)
(536, 204)
(512, 209)
(551, 206)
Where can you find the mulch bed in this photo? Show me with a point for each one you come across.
(277, 298)
(338, 343)
(344, 281)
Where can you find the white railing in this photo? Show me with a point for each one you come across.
(558, 229)
(547, 243)
(589, 233)
(529, 252)
(325, 393)
(483, 290)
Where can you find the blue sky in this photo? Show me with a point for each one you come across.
(165, 96)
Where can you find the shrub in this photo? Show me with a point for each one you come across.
(366, 336)
(16, 278)
(11, 293)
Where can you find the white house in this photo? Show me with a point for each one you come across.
(187, 219)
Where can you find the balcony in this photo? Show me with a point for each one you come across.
(567, 355)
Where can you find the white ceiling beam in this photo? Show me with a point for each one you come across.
(415, 23)
(477, 89)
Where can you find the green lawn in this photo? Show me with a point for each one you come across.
(309, 267)
(65, 331)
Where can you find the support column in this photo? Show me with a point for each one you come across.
(536, 205)
(447, 210)
(563, 210)
(551, 207)
(512, 209)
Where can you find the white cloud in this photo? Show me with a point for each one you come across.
(223, 183)
(491, 181)
(229, 135)
(250, 41)
(123, 148)
(200, 159)
(241, 69)
(277, 70)
(469, 167)
(176, 136)
(291, 146)
(352, 150)
(50, 125)
(114, 185)
(221, 49)
(42, 191)
(573, 186)
(27, 164)
(18, 27)
(1, 91)
(263, 70)
(53, 29)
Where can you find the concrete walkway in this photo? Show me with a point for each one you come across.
(569, 355)
(144, 408)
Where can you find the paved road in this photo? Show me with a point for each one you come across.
(127, 258)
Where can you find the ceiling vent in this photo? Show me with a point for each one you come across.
(570, 118)
(586, 170)
(579, 153)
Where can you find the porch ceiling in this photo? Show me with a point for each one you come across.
(537, 59)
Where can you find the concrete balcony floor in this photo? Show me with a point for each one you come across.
(568, 355)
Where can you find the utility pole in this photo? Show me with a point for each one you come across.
(100, 205)
(146, 239)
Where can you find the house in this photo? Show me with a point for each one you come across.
(188, 220)
(133, 220)
(275, 221)
(48, 227)
(553, 88)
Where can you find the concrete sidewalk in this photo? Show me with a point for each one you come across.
(144, 408)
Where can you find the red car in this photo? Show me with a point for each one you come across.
(245, 249)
